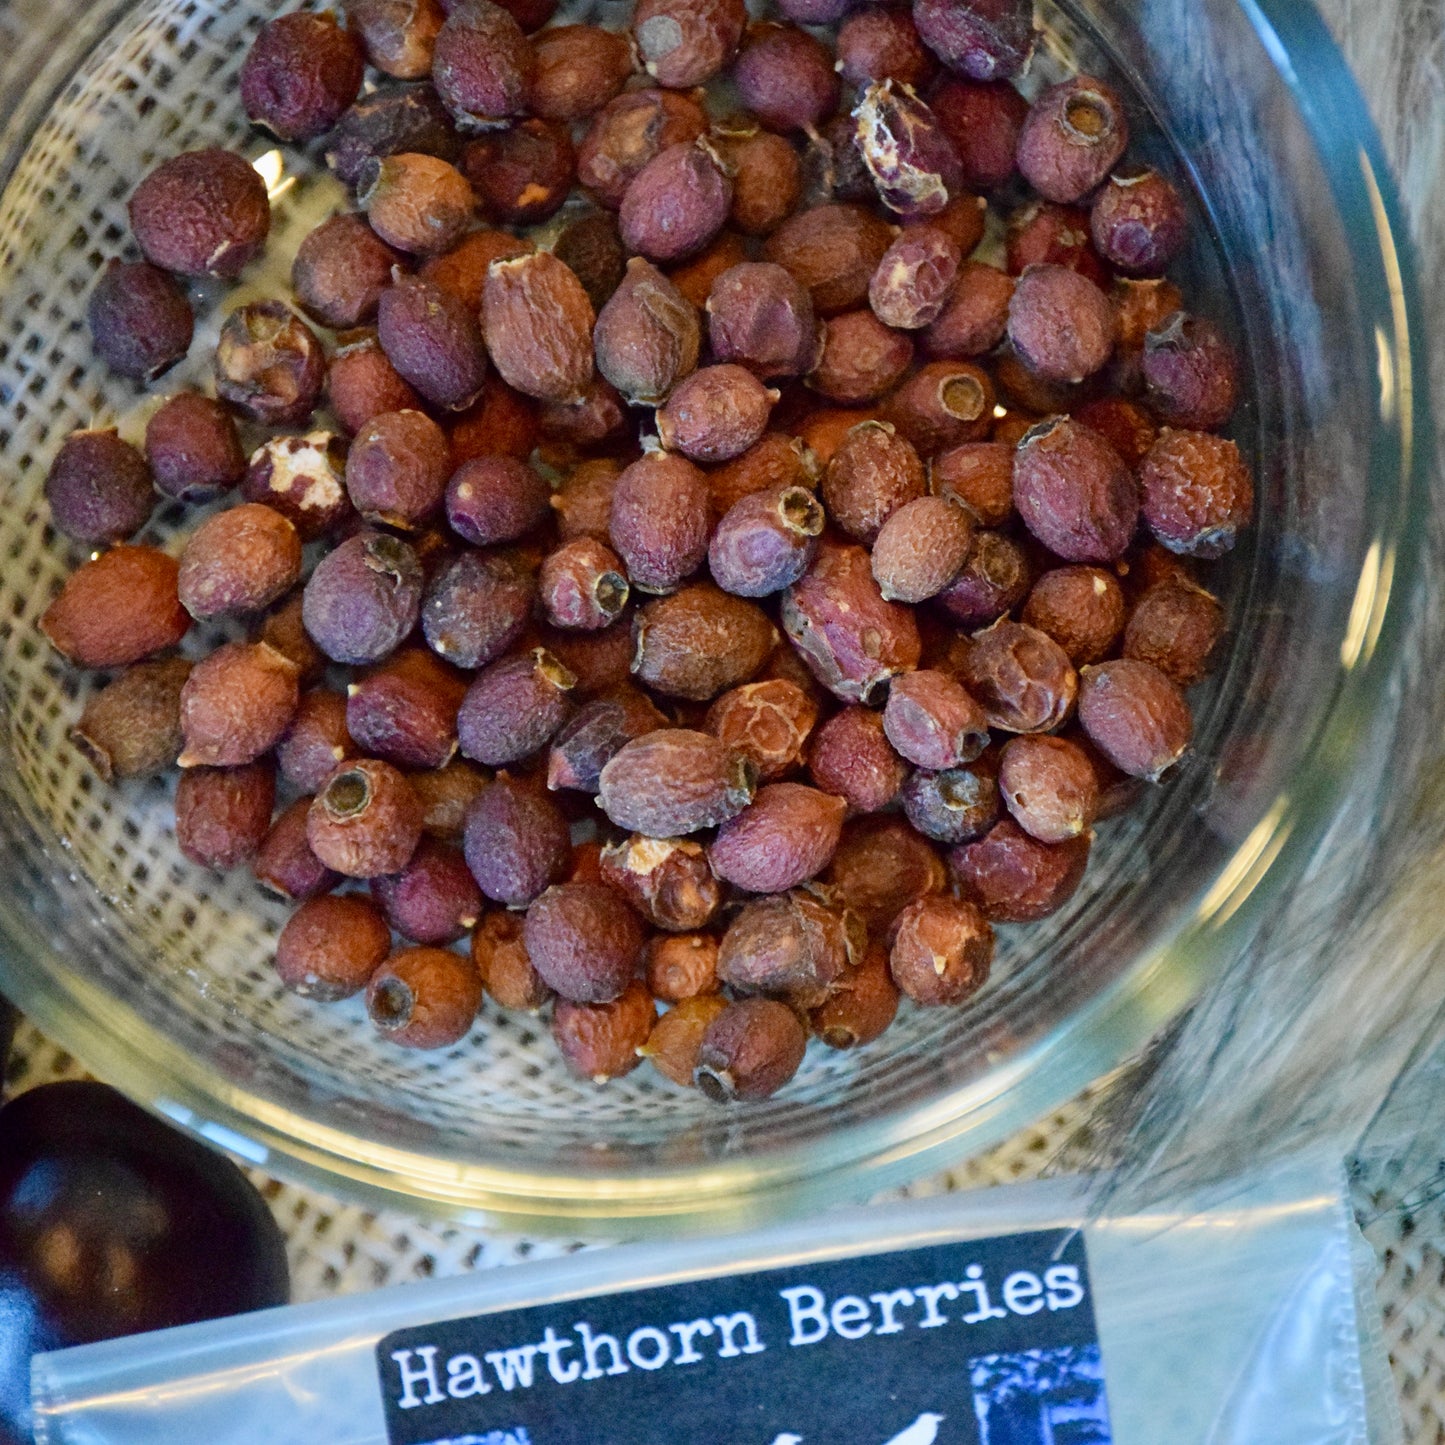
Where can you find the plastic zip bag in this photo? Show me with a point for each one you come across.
(1241, 1318)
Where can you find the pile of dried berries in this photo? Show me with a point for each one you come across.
(842, 577)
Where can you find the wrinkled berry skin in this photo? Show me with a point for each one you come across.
(286, 866)
(911, 159)
(140, 322)
(675, 204)
(406, 711)
(647, 336)
(761, 317)
(270, 364)
(584, 941)
(579, 69)
(683, 43)
(1021, 678)
(1135, 716)
(956, 805)
(300, 477)
(1191, 373)
(1061, 324)
(768, 721)
(787, 835)
(417, 203)
(1014, 878)
(914, 279)
(362, 383)
(982, 39)
(204, 213)
(398, 35)
(604, 1041)
(750, 1051)
(777, 462)
(591, 248)
(667, 880)
(660, 521)
(715, 414)
(365, 821)
(340, 271)
(1124, 424)
(98, 488)
(674, 781)
(630, 131)
(514, 707)
(239, 560)
(862, 1007)
(1074, 136)
(1043, 234)
(1081, 608)
(873, 473)
(476, 607)
(832, 250)
(538, 323)
(1050, 787)
(942, 950)
(434, 341)
(1176, 627)
(595, 734)
(500, 956)
(236, 704)
(117, 609)
(880, 867)
(397, 469)
(301, 74)
(979, 476)
(932, 721)
(983, 122)
(1138, 222)
(787, 944)
(850, 756)
(921, 548)
(363, 598)
(943, 404)
(482, 65)
(424, 998)
(330, 947)
(388, 122)
(523, 174)
(223, 814)
(131, 728)
(495, 499)
(767, 177)
(766, 541)
(516, 842)
(434, 899)
(994, 580)
(681, 966)
(860, 359)
(193, 448)
(849, 636)
(581, 585)
(1075, 493)
(700, 641)
(876, 42)
(974, 317)
(785, 77)
(316, 741)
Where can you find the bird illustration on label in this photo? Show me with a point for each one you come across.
(923, 1431)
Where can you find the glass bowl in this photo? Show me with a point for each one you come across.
(157, 975)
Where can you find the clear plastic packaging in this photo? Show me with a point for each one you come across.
(1241, 1318)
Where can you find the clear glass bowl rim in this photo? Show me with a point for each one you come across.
(849, 1163)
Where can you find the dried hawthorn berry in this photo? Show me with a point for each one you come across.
(397, 469)
(417, 203)
(915, 278)
(982, 39)
(516, 842)
(300, 75)
(482, 64)
(301, 478)
(598, 419)
(582, 585)
(131, 728)
(1041, 234)
(1151, 564)
(667, 880)
(700, 641)
(462, 270)
(239, 560)
(787, 835)
(912, 161)
(1135, 716)
(1074, 136)
(785, 77)
(647, 336)
(579, 69)
(683, 43)
(750, 1051)
(675, 781)
(941, 405)
(767, 721)
(850, 756)
(595, 734)
(860, 359)
(531, 15)
(365, 821)
(1074, 492)
(673, 1045)
(495, 499)
(766, 541)
(330, 947)
(434, 899)
(1175, 627)
(316, 741)
(1015, 878)
(434, 341)
(1060, 324)
(1081, 608)
(1124, 424)
(193, 448)
(630, 131)
(584, 941)
(389, 121)
(873, 473)
(236, 704)
(777, 462)
(362, 383)
(767, 176)
(715, 414)
(921, 548)
(269, 364)
(676, 203)
(500, 957)
(880, 867)
(284, 629)
(445, 795)
(285, 865)
(932, 721)
(406, 711)
(501, 422)
(141, 323)
(956, 805)
(223, 814)
(398, 35)
(832, 250)
(514, 707)
(1050, 786)
(974, 316)
(604, 1041)
(1139, 308)
(790, 944)
(851, 638)
(424, 998)
(1021, 678)
(340, 271)
(979, 475)
(204, 213)
(833, 168)
(877, 42)
(601, 660)
(994, 580)
(591, 248)
(1191, 373)
(538, 323)
(363, 598)
(582, 500)
(984, 122)
(99, 488)
(680, 966)
(660, 521)
(522, 174)
(761, 317)
(1138, 221)
(861, 1007)
(942, 949)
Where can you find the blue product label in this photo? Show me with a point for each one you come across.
(989, 1342)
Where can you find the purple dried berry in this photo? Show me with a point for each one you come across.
(388, 122)
(674, 781)
(785, 77)
(193, 448)
(715, 414)
(915, 278)
(363, 598)
(579, 69)
(761, 317)
(833, 251)
(1138, 222)
(629, 132)
(1074, 136)
(434, 899)
(1074, 492)
(787, 835)
(932, 721)
(397, 469)
(141, 323)
(954, 806)
(994, 580)
(766, 541)
(514, 707)
(1061, 324)
(597, 732)
(683, 43)
(921, 548)
(974, 318)
(399, 35)
(878, 42)
(1191, 373)
(406, 711)
(476, 607)
(647, 335)
(99, 488)
(340, 271)
(495, 499)
(982, 39)
(434, 340)
(983, 122)
(790, 944)
(316, 742)
(516, 842)
(584, 941)
(270, 364)
(1135, 716)
(1016, 879)
(911, 159)
(605, 1041)
(660, 521)
(482, 64)
(204, 213)
(1022, 679)
(676, 203)
(1050, 787)
(300, 75)
(850, 755)
(300, 477)
(286, 866)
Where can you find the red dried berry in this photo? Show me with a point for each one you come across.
(921, 548)
(850, 756)
(285, 630)
(584, 941)
(932, 721)
(880, 867)
(683, 43)
(582, 500)
(141, 323)
(1016, 879)
(397, 469)
(340, 271)
(604, 1041)
(667, 880)
(767, 721)
(286, 866)
(1191, 372)
(591, 248)
(880, 43)
(1021, 678)
(750, 1051)
(911, 159)
(700, 641)
(582, 585)
(1041, 234)
(204, 213)
(300, 75)
(523, 174)
(131, 728)
(785, 77)
(984, 123)
(1060, 324)
(676, 203)
(629, 132)
(239, 560)
(681, 966)
(223, 814)
(789, 944)
(1081, 608)
(787, 835)
(647, 336)
(398, 35)
(873, 473)
(362, 383)
(269, 364)
(538, 323)
(406, 711)
(1124, 424)
(862, 1006)
(860, 359)
(979, 475)
(833, 251)
(767, 177)
(330, 947)
(434, 340)
(514, 707)
(98, 488)
(500, 957)
(941, 405)
(516, 842)
(418, 203)
(1074, 136)
(674, 781)
(660, 520)
(424, 998)
(492, 499)
(974, 317)
(236, 704)
(193, 448)
(1138, 222)
(1050, 787)
(942, 950)
(1139, 308)
(1074, 492)
(579, 69)
(482, 64)
(390, 121)
(982, 39)
(715, 414)
(1135, 716)
(365, 821)
(761, 317)
(363, 598)
(766, 541)
(1176, 627)
(316, 742)
(915, 278)
(777, 462)
(601, 660)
